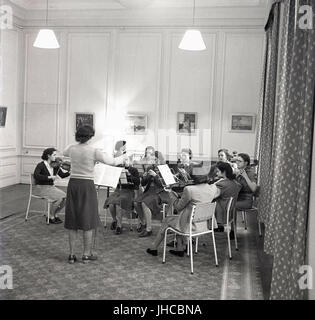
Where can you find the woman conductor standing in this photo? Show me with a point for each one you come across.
(82, 205)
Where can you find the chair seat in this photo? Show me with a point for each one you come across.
(187, 234)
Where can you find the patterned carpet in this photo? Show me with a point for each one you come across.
(38, 255)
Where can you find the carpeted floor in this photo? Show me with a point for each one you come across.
(38, 255)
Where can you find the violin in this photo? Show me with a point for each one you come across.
(60, 163)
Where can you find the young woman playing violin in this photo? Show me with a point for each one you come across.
(45, 174)
(121, 200)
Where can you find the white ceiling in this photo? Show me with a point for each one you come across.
(131, 4)
(118, 13)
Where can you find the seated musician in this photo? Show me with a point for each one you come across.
(147, 159)
(45, 175)
(246, 176)
(122, 199)
(228, 187)
(200, 192)
(223, 156)
(150, 201)
(148, 155)
(186, 162)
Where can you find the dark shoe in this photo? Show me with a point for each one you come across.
(145, 233)
(141, 227)
(153, 252)
(172, 244)
(86, 259)
(177, 253)
(232, 236)
(113, 225)
(118, 230)
(52, 221)
(58, 220)
(72, 258)
(219, 229)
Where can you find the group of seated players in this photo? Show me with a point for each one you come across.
(141, 189)
(145, 192)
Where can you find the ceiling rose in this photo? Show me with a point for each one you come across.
(135, 3)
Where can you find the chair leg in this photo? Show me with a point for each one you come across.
(191, 256)
(196, 249)
(259, 228)
(105, 218)
(28, 207)
(130, 221)
(215, 249)
(229, 242)
(188, 248)
(235, 237)
(164, 246)
(48, 211)
(243, 216)
(245, 219)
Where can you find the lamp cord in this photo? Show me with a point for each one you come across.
(46, 12)
(194, 13)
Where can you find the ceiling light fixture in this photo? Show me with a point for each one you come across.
(46, 38)
(192, 39)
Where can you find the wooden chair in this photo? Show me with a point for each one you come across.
(200, 212)
(48, 202)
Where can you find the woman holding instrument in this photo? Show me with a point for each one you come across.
(122, 199)
(45, 174)
(153, 196)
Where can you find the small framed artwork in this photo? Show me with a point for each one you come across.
(136, 123)
(186, 122)
(3, 116)
(242, 122)
(83, 118)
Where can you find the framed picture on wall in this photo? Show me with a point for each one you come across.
(83, 118)
(136, 123)
(3, 116)
(242, 122)
(186, 122)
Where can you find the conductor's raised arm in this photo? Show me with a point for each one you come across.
(110, 160)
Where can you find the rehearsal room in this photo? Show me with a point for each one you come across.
(157, 150)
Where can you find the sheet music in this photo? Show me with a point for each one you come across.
(105, 175)
(166, 174)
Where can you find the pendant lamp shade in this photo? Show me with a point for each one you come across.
(46, 39)
(192, 41)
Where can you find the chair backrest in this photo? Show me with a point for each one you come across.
(230, 209)
(32, 179)
(202, 211)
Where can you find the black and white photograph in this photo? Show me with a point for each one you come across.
(82, 119)
(3, 116)
(136, 123)
(157, 156)
(242, 123)
(186, 122)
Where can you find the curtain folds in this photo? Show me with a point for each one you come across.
(285, 144)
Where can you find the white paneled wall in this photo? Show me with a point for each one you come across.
(10, 46)
(112, 72)
(87, 81)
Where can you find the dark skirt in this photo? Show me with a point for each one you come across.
(153, 198)
(81, 205)
(244, 201)
(121, 197)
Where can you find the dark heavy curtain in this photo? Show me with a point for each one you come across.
(285, 144)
